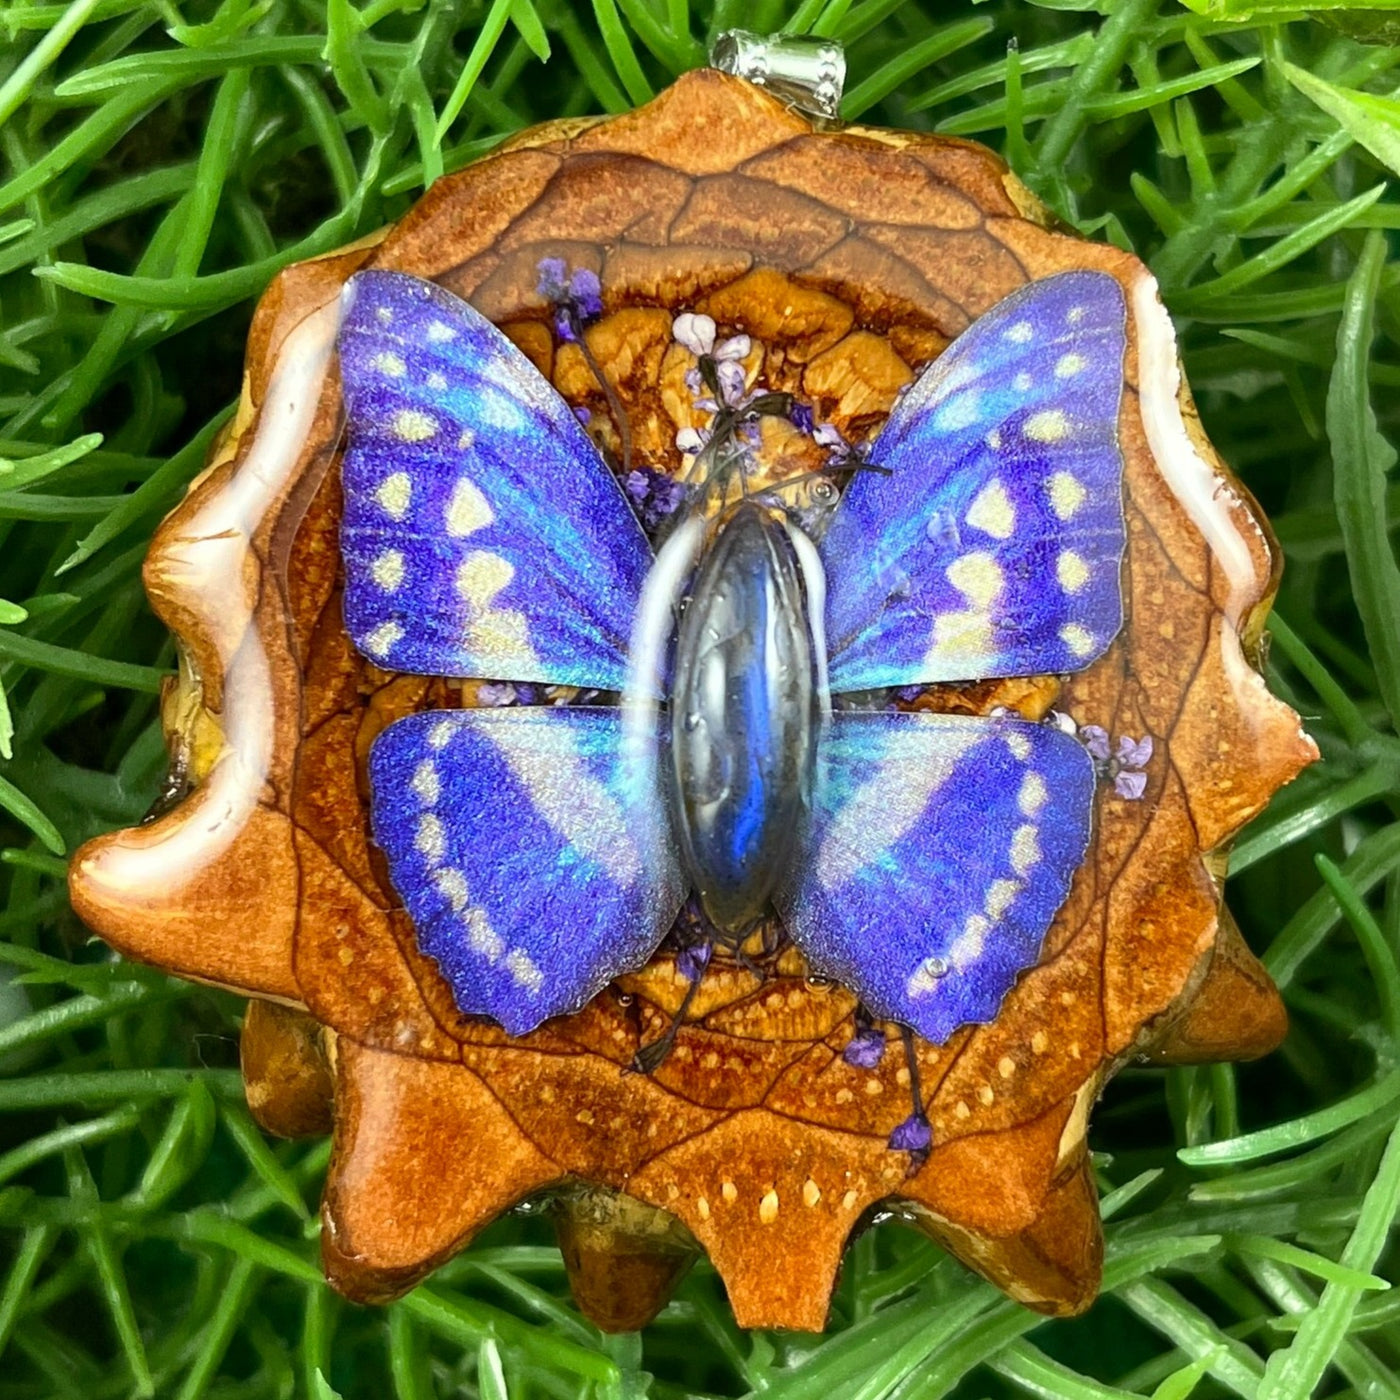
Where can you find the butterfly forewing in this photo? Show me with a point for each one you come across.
(483, 535)
(531, 850)
(939, 849)
(990, 541)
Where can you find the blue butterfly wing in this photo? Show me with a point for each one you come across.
(531, 850)
(993, 547)
(482, 534)
(940, 847)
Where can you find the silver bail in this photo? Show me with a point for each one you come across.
(808, 74)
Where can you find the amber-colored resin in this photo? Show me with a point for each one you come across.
(852, 258)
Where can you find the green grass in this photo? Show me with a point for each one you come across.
(158, 162)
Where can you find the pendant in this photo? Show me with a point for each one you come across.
(718, 668)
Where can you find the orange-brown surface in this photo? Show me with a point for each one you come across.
(851, 259)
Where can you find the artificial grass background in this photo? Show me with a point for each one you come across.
(160, 161)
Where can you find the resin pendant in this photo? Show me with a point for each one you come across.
(701, 500)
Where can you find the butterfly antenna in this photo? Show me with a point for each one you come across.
(624, 429)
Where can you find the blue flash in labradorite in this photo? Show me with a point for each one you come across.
(917, 858)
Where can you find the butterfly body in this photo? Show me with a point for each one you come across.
(917, 858)
(745, 709)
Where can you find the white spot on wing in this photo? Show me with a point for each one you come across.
(394, 495)
(962, 637)
(967, 947)
(467, 509)
(452, 886)
(1071, 570)
(413, 425)
(523, 970)
(1000, 893)
(440, 332)
(992, 512)
(379, 641)
(977, 577)
(1067, 494)
(388, 363)
(430, 840)
(1067, 366)
(388, 569)
(1033, 795)
(1025, 849)
(1077, 639)
(1021, 333)
(1049, 426)
(425, 783)
(1019, 745)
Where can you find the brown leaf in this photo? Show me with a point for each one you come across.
(852, 258)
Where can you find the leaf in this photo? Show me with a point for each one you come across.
(1371, 121)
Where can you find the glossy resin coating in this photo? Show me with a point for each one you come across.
(745, 710)
(851, 261)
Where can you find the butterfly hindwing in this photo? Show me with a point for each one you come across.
(531, 851)
(483, 535)
(939, 850)
(990, 541)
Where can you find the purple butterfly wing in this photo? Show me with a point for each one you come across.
(531, 850)
(940, 848)
(483, 535)
(994, 545)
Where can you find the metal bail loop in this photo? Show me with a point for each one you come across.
(809, 74)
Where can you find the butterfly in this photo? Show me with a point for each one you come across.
(541, 851)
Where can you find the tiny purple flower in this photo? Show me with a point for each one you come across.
(1135, 753)
(865, 1049)
(828, 435)
(692, 440)
(554, 278)
(586, 293)
(564, 325)
(908, 692)
(577, 299)
(496, 693)
(583, 415)
(801, 416)
(730, 376)
(1130, 784)
(1122, 765)
(694, 332)
(654, 495)
(691, 962)
(1095, 738)
(1063, 722)
(914, 1135)
(737, 347)
(694, 380)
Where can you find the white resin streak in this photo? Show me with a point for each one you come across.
(209, 559)
(1205, 495)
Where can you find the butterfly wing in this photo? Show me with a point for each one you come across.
(940, 848)
(483, 535)
(531, 850)
(993, 546)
